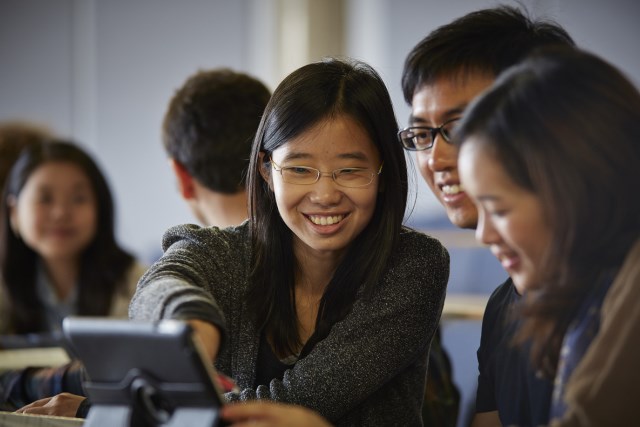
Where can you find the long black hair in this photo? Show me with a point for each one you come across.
(103, 263)
(315, 92)
(565, 125)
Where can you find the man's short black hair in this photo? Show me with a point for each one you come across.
(210, 124)
(486, 41)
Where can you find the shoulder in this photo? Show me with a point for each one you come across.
(121, 299)
(503, 294)
(132, 276)
(626, 285)
(136, 270)
(416, 244)
(420, 262)
(498, 308)
(206, 237)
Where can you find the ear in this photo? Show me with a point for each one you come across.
(265, 170)
(186, 184)
(12, 203)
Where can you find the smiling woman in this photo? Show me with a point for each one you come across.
(551, 156)
(58, 254)
(511, 219)
(326, 212)
(322, 297)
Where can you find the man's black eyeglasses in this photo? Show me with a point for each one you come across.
(418, 138)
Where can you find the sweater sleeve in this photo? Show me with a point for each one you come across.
(199, 266)
(381, 346)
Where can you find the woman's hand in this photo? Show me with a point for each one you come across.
(61, 405)
(271, 414)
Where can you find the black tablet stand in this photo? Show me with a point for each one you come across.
(149, 404)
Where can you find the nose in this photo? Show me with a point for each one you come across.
(326, 191)
(61, 209)
(486, 232)
(443, 155)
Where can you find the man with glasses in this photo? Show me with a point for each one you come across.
(442, 74)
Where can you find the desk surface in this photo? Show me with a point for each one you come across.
(464, 306)
(10, 419)
(21, 358)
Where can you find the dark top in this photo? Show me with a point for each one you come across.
(268, 366)
(441, 395)
(506, 381)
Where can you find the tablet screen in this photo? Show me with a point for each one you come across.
(125, 360)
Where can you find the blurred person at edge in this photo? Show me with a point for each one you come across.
(58, 257)
(551, 155)
(58, 253)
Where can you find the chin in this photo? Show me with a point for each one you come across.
(462, 220)
(520, 284)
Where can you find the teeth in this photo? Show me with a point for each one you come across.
(326, 220)
(452, 189)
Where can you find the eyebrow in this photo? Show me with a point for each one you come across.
(76, 186)
(456, 111)
(354, 155)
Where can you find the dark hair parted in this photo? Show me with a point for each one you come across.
(485, 41)
(14, 136)
(315, 92)
(103, 263)
(565, 126)
(210, 124)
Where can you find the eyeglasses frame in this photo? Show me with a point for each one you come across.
(434, 131)
(320, 173)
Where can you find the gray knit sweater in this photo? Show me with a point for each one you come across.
(369, 371)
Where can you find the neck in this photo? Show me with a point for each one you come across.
(313, 274)
(221, 210)
(63, 274)
(315, 271)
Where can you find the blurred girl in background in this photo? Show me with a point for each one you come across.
(58, 253)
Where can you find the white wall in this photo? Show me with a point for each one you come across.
(102, 72)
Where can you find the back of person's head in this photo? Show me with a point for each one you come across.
(14, 136)
(210, 124)
(565, 126)
(315, 92)
(485, 42)
(102, 262)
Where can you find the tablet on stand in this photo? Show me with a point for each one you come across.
(144, 374)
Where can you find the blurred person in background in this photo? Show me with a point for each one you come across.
(207, 132)
(58, 257)
(58, 253)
